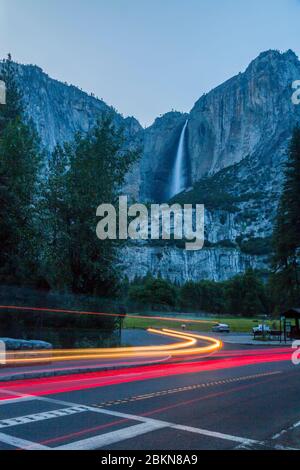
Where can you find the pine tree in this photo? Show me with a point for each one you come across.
(13, 108)
(55, 213)
(286, 235)
(19, 164)
(96, 168)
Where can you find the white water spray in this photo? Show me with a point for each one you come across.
(177, 180)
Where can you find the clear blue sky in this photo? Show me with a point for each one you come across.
(146, 57)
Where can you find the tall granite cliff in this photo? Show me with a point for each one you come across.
(236, 142)
(236, 146)
(58, 110)
(250, 114)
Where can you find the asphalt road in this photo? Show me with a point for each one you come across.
(241, 400)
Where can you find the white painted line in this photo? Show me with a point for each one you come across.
(21, 443)
(113, 437)
(5, 423)
(284, 431)
(279, 447)
(218, 435)
(90, 408)
(9, 401)
(204, 432)
(151, 421)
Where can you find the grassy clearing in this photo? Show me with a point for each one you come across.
(242, 325)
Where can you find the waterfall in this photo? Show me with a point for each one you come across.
(178, 180)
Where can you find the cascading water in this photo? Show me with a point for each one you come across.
(177, 180)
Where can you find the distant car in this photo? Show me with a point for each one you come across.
(221, 328)
(260, 328)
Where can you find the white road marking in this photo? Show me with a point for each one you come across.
(9, 401)
(5, 423)
(21, 443)
(148, 425)
(113, 437)
(204, 432)
(151, 422)
(218, 435)
(284, 431)
(184, 389)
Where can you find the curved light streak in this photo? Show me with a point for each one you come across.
(185, 347)
(216, 343)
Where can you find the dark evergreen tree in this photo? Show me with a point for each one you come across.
(13, 108)
(153, 292)
(245, 294)
(285, 283)
(19, 165)
(96, 166)
(55, 215)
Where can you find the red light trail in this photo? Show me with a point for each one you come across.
(56, 385)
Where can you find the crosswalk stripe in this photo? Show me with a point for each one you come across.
(5, 423)
(113, 437)
(21, 443)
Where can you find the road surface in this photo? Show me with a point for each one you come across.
(238, 399)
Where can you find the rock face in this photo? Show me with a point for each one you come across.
(160, 145)
(250, 114)
(58, 110)
(180, 265)
(236, 143)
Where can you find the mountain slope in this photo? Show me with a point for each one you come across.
(236, 143)
(58, 110)
(251, 114)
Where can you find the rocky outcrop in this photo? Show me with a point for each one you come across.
(180, 265)
(59, 110)
(251, 114)
(237, 140)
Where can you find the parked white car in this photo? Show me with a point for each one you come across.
(261, 328)
(221, 328)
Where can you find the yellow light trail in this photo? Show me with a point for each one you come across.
(185, 347)
(116, 350)
(216, 343)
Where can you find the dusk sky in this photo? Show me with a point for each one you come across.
(146, 57)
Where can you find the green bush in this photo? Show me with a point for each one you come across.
(244, 294)
(153, 291)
